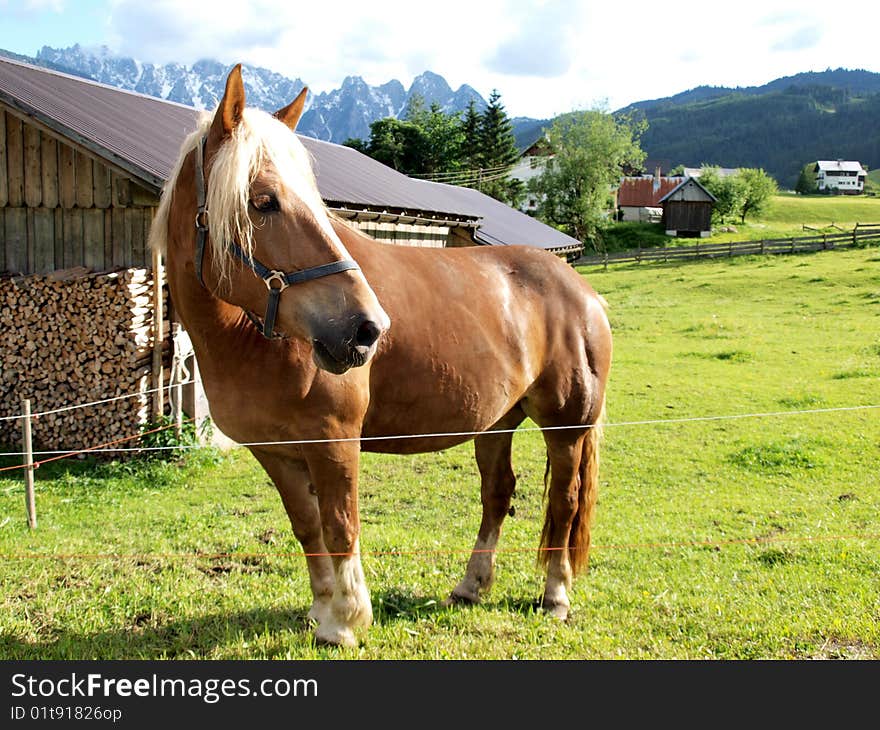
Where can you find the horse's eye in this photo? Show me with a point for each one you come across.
(265, 203)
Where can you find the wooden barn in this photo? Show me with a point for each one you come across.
(687, 210)
(81, 170)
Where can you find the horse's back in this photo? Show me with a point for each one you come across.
(474, 332)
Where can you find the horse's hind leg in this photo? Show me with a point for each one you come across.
(497, 484)
(293, 482)
(567, 506)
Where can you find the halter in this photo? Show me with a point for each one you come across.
(276, 281)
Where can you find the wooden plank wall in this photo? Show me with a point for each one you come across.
(687, 216)
(405, 234)
(61, 208)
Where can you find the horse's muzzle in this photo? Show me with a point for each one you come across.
(337, 352)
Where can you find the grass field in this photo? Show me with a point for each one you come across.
(788, 214)
(748, 538)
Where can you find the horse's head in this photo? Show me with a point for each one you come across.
(266, 242)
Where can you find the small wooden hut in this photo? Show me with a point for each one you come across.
(687, 210)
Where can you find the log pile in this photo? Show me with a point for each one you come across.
(75, 337)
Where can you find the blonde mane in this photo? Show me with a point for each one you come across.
(258, 139)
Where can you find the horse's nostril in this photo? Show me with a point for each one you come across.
(367, 334)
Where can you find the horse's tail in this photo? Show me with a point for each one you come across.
(588, 491)
(579, 539)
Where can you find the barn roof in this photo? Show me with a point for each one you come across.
(689, 181)
(508, 226)
(645, 192)
(141, 135)
(128, 130)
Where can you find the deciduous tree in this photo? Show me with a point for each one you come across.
(589, 150)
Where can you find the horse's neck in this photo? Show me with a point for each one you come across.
(217, 329)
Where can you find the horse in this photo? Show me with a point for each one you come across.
(305, 330)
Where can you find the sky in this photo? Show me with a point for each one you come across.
(545, 57)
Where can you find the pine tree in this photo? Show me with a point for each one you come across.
(806, 184)
(470, 127)
(498, 153)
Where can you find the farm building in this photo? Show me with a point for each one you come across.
(840, 176)
(81, 170)
(639, 198)
(531, 164)
(695, 172)
(687, 210)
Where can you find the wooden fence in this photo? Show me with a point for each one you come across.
(863, 234)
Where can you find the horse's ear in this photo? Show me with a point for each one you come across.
(231, 107)
(292, 112)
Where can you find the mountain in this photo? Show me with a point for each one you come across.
(200, 86)
(780, 126)
(333, 116)
(347, 112)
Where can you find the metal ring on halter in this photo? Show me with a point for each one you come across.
(200, 216)
(276, 276)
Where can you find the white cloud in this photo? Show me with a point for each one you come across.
(32, 7)
(544, 56)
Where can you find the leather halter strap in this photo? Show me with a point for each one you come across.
(275, 281)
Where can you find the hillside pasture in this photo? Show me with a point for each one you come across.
(786, 215)
(794, 215)
(754, 537)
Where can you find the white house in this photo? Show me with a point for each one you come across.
(842, 176)
(532, 162)
(695, 172)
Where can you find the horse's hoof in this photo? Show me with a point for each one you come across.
(461, 598)
(335, 636)
(558, 611)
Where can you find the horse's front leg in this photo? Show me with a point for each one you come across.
(292, 479)
(334, 472)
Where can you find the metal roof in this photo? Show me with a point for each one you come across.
(352, 180)
(141, 135)
(506, 226)
(645, 192)
(840, 166)
(695, 172)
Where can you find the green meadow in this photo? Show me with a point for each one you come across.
(804, 215)
(737, 515)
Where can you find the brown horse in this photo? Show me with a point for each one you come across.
(363, 339)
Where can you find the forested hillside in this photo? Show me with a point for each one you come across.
(779, 128)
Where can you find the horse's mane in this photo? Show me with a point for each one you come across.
(258, 138)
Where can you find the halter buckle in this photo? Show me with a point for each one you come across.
(202, 220)
(276, 276)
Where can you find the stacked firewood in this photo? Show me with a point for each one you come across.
(75, 337)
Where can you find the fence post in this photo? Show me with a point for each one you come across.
(29, 499)
(158, 332)
(855, 234)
